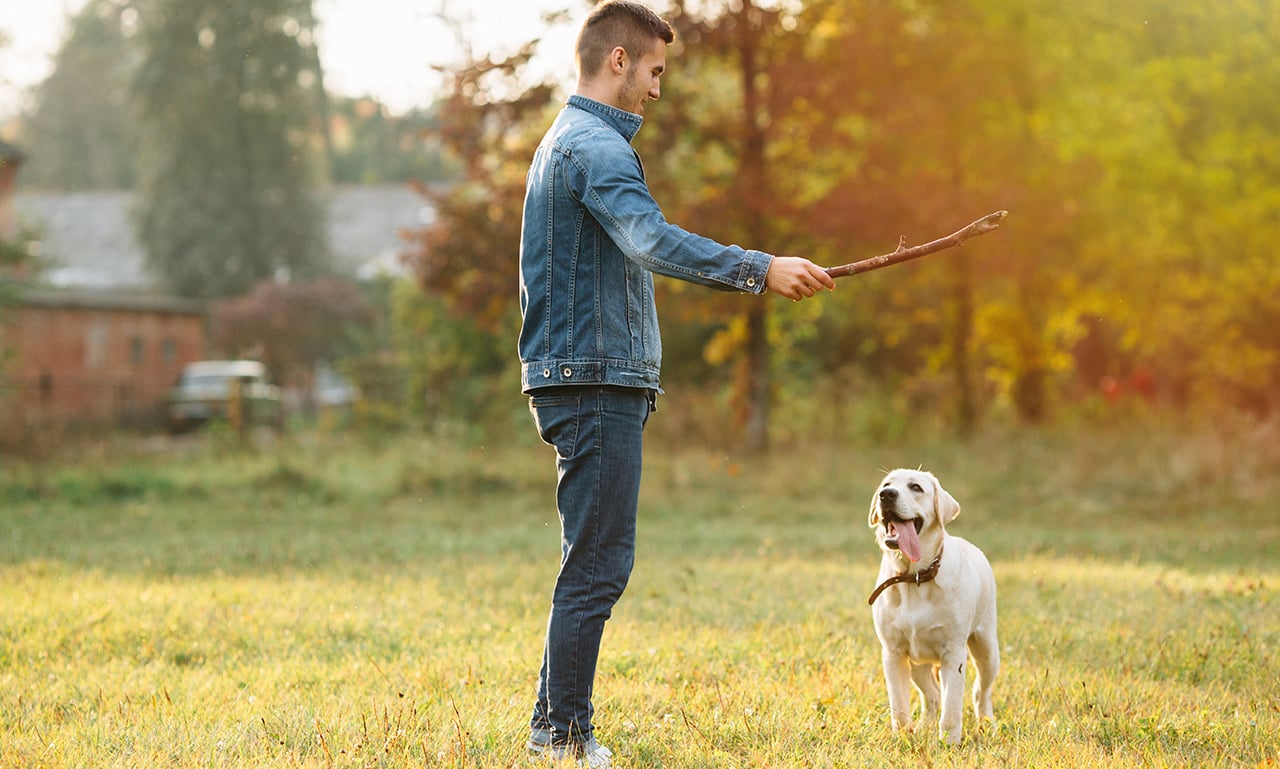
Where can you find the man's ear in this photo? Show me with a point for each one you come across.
(618, 60)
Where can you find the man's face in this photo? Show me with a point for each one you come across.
(643, 78)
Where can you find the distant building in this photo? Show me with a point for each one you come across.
(85, 358)
(99, 349)
(93, 359)
(88, 238)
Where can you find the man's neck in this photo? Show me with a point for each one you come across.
(595, 91)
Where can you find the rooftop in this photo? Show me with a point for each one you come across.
(88, 238)
(10, 154)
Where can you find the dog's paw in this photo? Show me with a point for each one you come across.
(904, 727)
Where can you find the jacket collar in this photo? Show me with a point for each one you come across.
(626, 123)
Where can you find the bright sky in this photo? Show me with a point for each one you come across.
(380, 47)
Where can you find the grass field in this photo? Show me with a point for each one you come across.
(332, 602)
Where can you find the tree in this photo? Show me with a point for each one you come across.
(456, 337)
(79, 134)
(19, 262)
(490, 121)
(292, 326)
(764, 141)
(19, 248)
(740, 35)
(1133, 147)
(373, 146)
(228, 134)
(1182, 268)
(733, 149)
(466, 255)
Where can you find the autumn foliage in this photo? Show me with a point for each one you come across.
(291, 326)
(1134, 148)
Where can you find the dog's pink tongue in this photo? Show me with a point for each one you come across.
(908, 542)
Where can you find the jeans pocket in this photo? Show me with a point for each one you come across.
(556, 418)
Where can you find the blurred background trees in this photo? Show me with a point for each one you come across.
(460, 331)
(291, 326)
(81, 128)
(227, 106)
(1130, 144)
(1134, 146)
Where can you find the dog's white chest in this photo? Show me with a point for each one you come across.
(913, 627)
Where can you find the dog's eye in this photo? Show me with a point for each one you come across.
(917, 488)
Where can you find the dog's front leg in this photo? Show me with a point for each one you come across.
(951, 676)
(925, 676)
(897, 679)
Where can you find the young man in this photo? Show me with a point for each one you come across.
(589, 347)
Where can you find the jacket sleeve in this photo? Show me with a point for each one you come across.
(609, 182)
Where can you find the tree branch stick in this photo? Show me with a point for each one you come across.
(903, 254)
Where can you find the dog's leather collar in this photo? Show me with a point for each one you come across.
(919, 578)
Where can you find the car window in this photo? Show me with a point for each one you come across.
(201, 380)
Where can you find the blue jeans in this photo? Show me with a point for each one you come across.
(596, 432)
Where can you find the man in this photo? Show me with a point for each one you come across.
(590, 350)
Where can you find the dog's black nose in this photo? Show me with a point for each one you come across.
(888, 495)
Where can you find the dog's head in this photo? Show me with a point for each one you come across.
(907, 504)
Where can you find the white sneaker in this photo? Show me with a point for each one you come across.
(590, 754)
(595, 755)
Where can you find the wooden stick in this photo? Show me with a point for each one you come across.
(903, 254)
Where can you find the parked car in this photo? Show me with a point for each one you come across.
(215, 389)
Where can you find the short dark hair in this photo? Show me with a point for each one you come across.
(613, 23)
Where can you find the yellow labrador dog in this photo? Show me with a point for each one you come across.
(935, 604)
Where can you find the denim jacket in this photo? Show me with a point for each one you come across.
(591, 240)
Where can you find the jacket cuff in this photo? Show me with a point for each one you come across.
(755, 265)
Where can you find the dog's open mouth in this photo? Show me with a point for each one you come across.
(904, 536)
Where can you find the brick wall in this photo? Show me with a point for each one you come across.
(81, 360)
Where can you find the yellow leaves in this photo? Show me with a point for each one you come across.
(724, 343)
(1014, 343)
(827, 29)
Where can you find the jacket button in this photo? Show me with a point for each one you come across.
(751, 282)
(546, 373)
(568, 372)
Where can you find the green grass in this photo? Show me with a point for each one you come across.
(336, 603)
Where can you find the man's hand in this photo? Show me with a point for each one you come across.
(797, 278)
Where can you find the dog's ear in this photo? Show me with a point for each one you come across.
(944, 505)
(873, 518)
